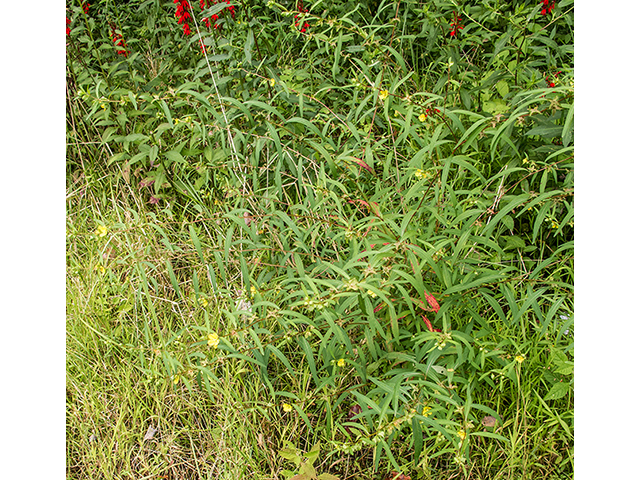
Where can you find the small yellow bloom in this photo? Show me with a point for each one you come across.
(214, 340)
(422, 118)
(462, 434)
(519, 358)
(99, 268)
(272, 82)
(286, 407)
(253, 290)
(203, 301)
(176, 379)
(101, 231)
(383, 94)
(341, 362)
(371, 294)
(420, 174)
(426, 411)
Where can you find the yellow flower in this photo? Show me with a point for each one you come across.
(420, 173)
(426, 411)
(272, 82)
(371, 294)
(101, 231)
(203, 301)
(519, 358)
(99, 268)
(422, 117)
(383, 94)
(176, 379)
(341, 362)
(286, 407)
(462, 434)
(253, 290)
(214, 340)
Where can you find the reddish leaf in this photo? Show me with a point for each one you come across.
(432, 302)
(365, 166)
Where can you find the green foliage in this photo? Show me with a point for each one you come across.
(374, 217)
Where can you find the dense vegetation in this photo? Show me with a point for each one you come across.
(330, 240)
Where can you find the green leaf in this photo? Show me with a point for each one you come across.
(546, 131)
(174, 156)
(490, 435)
(153, 154)
(416, 429)
(248, 45)
(514, 241)
(312, 454)
(307, 471)
(565, 368)
(196, 242)
(174, 281)
(559, 390)
(567, 130)
(502, 88)
(117, 157)
(327, 476)
(507, 221)
(289, 452)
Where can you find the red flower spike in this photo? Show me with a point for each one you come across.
(118, 41)
(301, 9)
(455, 25)
(546, 7)
(184, 17)
(68, 29)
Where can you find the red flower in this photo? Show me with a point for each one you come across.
(549, 81)
(85, 7)
(301, 9)
(184, 17)
(202, 47)
(214, 18)
(455, 25)
(118, 41)
(546, 8)
(68, 29)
